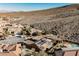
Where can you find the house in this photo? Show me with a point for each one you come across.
(71, 51)
(41, 44)
(10, 50)
(30, 44)
(67, 52)
(44, 44)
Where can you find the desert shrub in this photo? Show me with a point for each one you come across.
(44, 32)
(32, 26)
(6, 32)
(54, 32)
(35, 34)
(27, 32)
(12, 33)
(42, 53)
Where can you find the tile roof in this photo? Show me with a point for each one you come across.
(8, 47)
(8, 54)
(69, 53)
(13, 50)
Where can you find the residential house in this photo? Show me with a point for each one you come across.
(10, 50)
(44, 44)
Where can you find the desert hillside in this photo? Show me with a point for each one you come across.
(45, 15)
(49, 32)
(62, 21)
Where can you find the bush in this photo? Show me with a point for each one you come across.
(54, 32)
(35, 34)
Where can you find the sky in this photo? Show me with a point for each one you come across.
(29, 6)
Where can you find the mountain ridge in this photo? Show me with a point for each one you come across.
(44, 12)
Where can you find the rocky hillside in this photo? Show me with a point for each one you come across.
(61, 27)
(46, 15)
(62, 21)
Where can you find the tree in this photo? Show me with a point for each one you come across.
(42, 53)
(12, 33)
(6, 32)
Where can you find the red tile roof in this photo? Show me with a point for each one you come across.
(13, 50)
(8, 54)
(69, 53)
(8, 47)
(13, 47)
